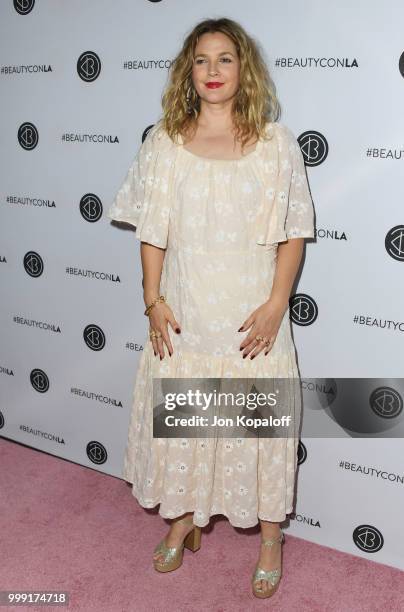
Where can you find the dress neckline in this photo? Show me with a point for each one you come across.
(251, 154)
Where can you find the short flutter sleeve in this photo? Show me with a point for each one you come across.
(287, 209)
(144, 197)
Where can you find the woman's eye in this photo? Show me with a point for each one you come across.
(200, 60)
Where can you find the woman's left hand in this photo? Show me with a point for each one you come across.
(265, 321)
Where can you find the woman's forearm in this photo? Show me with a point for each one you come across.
(288, 261)
(152, 264)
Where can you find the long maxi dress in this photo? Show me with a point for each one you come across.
(220, 222)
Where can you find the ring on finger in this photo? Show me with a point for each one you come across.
(154, 334)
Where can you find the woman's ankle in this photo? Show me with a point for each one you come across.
(270, 527)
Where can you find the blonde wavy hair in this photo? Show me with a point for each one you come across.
(255, 102)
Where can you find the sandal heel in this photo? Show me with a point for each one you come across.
(193, 539)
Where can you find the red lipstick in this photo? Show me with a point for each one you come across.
(214, 84)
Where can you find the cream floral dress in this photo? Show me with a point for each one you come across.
(220, 222)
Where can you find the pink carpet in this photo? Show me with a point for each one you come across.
(67, 527)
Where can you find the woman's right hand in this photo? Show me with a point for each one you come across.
(159, 316)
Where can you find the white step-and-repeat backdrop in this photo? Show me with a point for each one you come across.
(80, 84)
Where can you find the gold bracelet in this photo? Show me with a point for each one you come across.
(161, 298)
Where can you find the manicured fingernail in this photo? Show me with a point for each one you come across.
(177, 329)
(155, 353)
(244, 356)
(170, 354)
(161, 358)
(253, 357)
(241, 348)
(240, 328)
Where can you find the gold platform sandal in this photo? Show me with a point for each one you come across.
(271, 576)
(173, 555)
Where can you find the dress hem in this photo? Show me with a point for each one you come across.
(153, 504)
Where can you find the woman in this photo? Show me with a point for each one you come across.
(220, 201)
